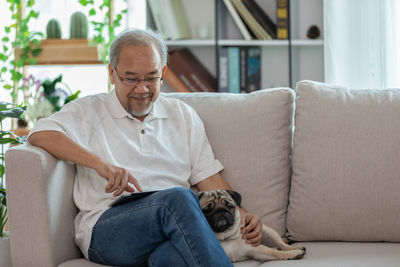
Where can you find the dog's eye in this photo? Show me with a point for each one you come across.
(230, 207)
(208, 208)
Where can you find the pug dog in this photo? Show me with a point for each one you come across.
(221, 209)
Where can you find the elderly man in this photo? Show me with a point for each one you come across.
(132, 139)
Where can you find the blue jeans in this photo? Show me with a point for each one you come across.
(166, 228)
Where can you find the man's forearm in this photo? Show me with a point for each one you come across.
(62, 147)
(213, 183)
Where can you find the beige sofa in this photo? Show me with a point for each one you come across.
(337, 179)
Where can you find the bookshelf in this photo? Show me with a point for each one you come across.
(284, 62)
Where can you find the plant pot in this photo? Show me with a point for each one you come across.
(5, 252)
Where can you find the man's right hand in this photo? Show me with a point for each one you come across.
(119, 179)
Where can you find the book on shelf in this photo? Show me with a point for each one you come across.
(158, 17)
(253, 24)
(234, 69)
(261, 17)
(282, 19)
(238, 21)
(243, 68)
(173, 80)
(223, 78)
(175, 19)
(191, 71)
(253, 69)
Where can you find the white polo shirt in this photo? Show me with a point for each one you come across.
(169, 149)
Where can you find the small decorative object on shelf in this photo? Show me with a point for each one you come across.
(313, 32)
(78, 26)
(53, 29)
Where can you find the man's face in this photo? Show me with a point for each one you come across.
(137, 79)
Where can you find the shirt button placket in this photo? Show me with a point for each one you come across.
(144, 142)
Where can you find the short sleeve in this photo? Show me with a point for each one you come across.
(203, 162)
(69, 120)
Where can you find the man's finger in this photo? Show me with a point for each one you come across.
(110, 183)
(133, 181)
(123, 184)
(117, 181)
(252, 234)
(249, 227)
(255, 233)
(129, 189)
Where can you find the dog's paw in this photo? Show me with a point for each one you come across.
(299, 254)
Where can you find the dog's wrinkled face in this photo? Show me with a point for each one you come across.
(219, 208)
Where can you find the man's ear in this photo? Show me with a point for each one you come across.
(236, 197)
(110, 74)
(164, 71)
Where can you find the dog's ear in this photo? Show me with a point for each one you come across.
(200, 195)
(236, 196)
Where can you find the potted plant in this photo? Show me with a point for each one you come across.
(19, 46)
(43, 98)
(104, 31)
(7, 110)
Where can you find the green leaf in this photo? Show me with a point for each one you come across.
(3, 205)
(83, 2)
(4, 105)
(36, 52)
(53, 100)
(92, 12)
(13, 95)
(72, 97)
(5, 39)
(7, 29)
(12, 112)
(58, 79)
(49, 86)
(36, 41)
(7, 141)
(7, 86)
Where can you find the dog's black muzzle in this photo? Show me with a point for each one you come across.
(221, 220)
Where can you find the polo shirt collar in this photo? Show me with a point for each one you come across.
(118, 111)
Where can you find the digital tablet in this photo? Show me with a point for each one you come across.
(123, 199)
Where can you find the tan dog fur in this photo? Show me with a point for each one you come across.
(231, 239)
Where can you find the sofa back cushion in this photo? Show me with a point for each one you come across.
(250, 134)
(346, 165)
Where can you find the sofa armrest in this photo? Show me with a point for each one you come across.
(41, 210)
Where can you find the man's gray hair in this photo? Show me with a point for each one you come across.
(137, 37)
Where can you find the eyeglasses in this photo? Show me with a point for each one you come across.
(148, 81)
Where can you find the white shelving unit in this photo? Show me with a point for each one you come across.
(306, 57)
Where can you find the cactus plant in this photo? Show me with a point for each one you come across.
(78, 26)
(53, 29)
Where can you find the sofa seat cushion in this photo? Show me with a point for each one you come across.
(250, 134)
(80, 263)
(319, 254)
(346, 157)
(343, 254)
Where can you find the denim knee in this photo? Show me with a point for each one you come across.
(180, 195)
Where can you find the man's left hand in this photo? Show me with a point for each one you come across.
(251, 228)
